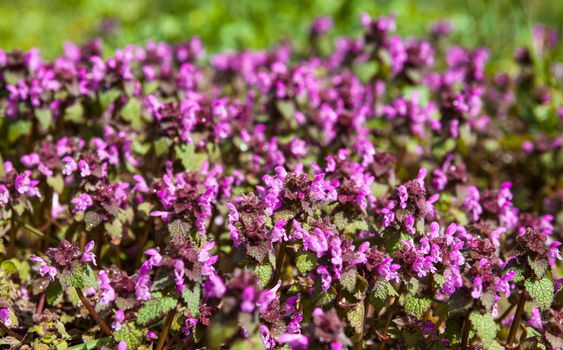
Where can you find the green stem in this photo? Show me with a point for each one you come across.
(40, 234)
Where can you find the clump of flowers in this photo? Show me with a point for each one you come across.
(391, 193)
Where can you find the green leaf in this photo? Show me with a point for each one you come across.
(57, 183)
(460, 302)
(179, 228)
(220, 330)
(541, 291)
(75, 113)
(155, 308)
(453, 330)
(44, 116)
(393, 240)
(192, 299)
(321, 297)
(383, 289)
(340, 221)
(356, 317)
(539, 266)
(131, 112)
(91, 345)
(18, 129)
(416, 306)
(286, 108)
(78, 276)
(162, 145)
(264, 273)
(130, 334)
(10, 266)
(114, 228)
(484, 326)
(190, 160)
(357, 225)
(494, 345)
(361, 287)
(305, 261)
(54, 293)
(91, 220)
(348, 280)
(251, 343)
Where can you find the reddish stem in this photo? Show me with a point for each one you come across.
(40, 306)
(516, 320)
(103, 325)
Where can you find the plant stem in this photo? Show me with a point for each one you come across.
(465, 332)
(165, 328)
(40, 306)
(390, 314)
(279, 262)
(103, 325)
(505, 314)
(40, 234)
(10, 332)
(516, 320)
(359, 344)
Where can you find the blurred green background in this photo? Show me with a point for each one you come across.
(230, 24)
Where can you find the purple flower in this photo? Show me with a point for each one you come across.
(88, 256)
(326, 279)
(190, 323)
(423, 265)
(5, 317)
(119, 317)
(108, 293)
(477, 288)
(322, 190)
(206, 259)
(403, 196)
(502, 285)
(155, 257)
(278, 232)
(535, 320)
(298, 147)
(26, 186)
(553, 254)
(179, 273)
(151, 335)
(409, 225)
(248, 296)
(69, 166)
(215, 288)
(295, 341)
(84, 168)
(317, 242)
(232, 218)
(321, 25)
(122, 345)
(82, 202)
(143, 287)
(454, 280)
(269, 342)
(4, 195)
(266, 297)
(44, 268)
(388, 270)
(471, 203)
